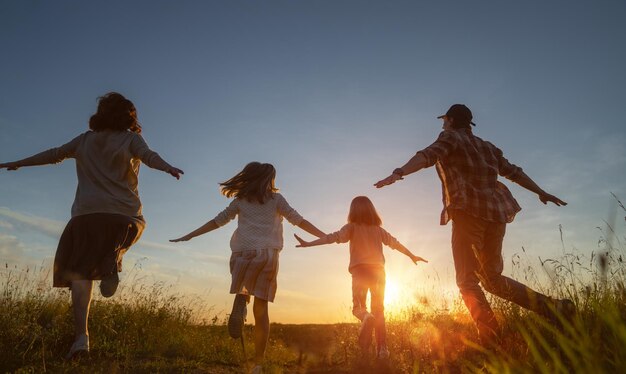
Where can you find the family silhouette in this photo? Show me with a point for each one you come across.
(106, 220)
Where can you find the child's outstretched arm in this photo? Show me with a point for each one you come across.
(404, 250)
(209, 226)
(311, 229)
(392, 242)
(321, 241)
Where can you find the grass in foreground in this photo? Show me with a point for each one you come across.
(147, 329)
(152, 331)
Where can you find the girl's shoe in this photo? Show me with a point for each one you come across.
(237, 316)
(257, 370)
(383, 352)
(365, 332)
(79, 348)
(108, 284)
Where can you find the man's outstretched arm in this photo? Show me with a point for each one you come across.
(415, 164)
(525, 181)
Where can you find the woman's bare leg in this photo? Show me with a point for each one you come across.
(81, 300)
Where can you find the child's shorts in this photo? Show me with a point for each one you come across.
(254, 273)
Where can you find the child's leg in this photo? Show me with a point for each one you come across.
(238, 316)
(377, 291)
(261, 328)
(359, 295)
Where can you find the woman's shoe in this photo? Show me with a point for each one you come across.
(79, 348)
(108, 284)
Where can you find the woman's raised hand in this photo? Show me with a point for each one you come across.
(175, 172)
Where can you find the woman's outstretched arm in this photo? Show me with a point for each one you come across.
(50, 156)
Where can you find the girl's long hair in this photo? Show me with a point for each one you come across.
(115, 112)
(254, 182)
(362, 211)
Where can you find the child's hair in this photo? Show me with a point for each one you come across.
(362, 211)
(115, 112)
(254, 182)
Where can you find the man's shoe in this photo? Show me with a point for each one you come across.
(237, 316)
(108, 284)
(365, 332)
(566, 309)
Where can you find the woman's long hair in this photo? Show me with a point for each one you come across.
(115, 112)
(362, 211)
(254, 182)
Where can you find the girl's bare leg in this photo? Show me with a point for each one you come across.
(261, 329)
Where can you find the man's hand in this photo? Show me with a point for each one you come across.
(9, 166)
(387, 181)
(546, 197)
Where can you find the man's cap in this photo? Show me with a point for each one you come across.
(459, 111)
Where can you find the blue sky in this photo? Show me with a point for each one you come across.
(335, 94)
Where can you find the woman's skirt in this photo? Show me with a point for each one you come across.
(92, 246)
(254, 272)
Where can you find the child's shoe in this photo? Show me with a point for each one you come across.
(108, 284)
(79, 348)
(258, 369)
(383, 352)
(237, 316)
(365, 332)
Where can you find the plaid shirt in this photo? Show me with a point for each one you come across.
(468, 168)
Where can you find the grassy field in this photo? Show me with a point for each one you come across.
(148, 329)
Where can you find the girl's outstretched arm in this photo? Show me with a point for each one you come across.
(311, 229)
(321, 241)
(404, 250)
(209, 226)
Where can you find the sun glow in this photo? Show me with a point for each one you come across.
(396, 295)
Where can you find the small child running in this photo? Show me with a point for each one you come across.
(255, 245)
(367, 266)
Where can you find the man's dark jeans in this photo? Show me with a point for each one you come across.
(477, 252)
